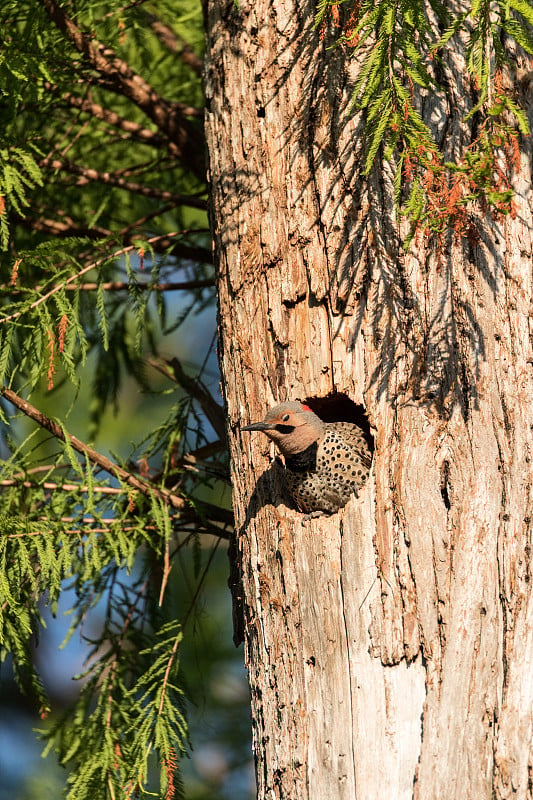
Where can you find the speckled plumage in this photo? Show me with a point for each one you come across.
(325, 462)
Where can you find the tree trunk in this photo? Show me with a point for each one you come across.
(390, 646)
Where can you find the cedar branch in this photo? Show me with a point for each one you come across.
(134, 130)
(120, 286)
(65, 227)
(88, 175)
(120, 78)
(173, 369)
(63, 487)
(161, 244)
(69, 281)
(96, 458)
(175, 44)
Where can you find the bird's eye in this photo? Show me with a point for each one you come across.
(285, 417)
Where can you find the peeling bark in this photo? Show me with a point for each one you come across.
(389, 647)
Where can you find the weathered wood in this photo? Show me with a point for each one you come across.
(389, 647)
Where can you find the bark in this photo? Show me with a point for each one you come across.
(389, 647)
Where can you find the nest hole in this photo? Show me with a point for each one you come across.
(337, 407)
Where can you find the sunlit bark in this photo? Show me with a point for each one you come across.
(389, 647)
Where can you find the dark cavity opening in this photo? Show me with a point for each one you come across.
(444, 484)
(338, 407)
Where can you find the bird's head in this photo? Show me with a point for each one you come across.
(292, 426)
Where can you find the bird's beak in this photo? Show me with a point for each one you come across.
(259, 426)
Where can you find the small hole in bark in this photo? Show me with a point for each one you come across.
(260, 111)
(338, 407)
(444, 482)
(311, 661)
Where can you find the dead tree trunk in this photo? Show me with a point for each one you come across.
(390, 646)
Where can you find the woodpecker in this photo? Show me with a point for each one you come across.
(325, 462)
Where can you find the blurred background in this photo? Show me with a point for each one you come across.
(220, 764)
(108, 325)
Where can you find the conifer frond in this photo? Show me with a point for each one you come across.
(89, 204)
(522, 7)
(131, 705)
(398, 45)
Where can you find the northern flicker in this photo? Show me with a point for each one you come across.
(325, 462)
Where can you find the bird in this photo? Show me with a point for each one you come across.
(325, 462)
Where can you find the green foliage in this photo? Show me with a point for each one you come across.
(18, 172)
(65, 523)
(403, 45)
(130, 706)
(101, 215)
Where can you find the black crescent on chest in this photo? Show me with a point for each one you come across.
(304, 461)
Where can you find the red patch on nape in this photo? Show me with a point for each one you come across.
(306, 408)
